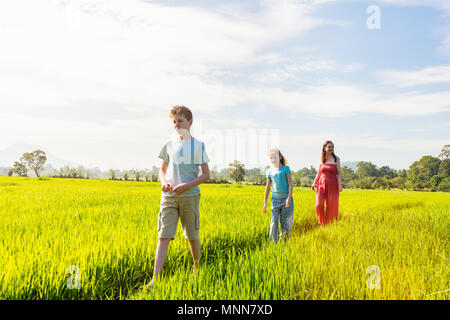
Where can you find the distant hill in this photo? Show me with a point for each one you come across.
(15, 151)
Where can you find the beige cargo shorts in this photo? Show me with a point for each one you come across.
(184, 208)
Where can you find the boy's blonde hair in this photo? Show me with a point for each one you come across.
(181, 110)
(283, 160)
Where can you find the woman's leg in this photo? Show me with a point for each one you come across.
(320, 205)
(332, 208)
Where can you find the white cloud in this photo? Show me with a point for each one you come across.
(300, 70)
(429, 75)
(338, 100)
(132, 52)
(94, 79)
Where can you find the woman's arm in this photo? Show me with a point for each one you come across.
(266, 194)
(339, 173)
(316, 179)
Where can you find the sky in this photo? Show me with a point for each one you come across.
(93, 81)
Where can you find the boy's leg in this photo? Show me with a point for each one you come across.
(160, 257)
(167, 227)
(195, 250)
(190, 221)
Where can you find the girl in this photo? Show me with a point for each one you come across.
(329, 179)
(279, 175)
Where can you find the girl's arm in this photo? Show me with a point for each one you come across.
(266, 194)
(289, 180)
(339, 173)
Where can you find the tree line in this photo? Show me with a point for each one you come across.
(428, 173)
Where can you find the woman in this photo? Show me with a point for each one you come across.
(329, 181)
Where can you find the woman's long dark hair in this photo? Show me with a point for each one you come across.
(324, 153)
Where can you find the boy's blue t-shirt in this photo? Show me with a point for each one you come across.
(280, 186)
(184, 158)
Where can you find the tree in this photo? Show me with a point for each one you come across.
(296, 178)
(347, 176)
(363, 183)
(444, 184)
(434, 182)
(303, 177)
(20, 168)
(137, 174)
(445, 153)
(213, 174)
(306, 181)
(421, 172)
(255, 176)
(155, 174)
(444, 167)
(398, 182)
(125, 176)
(385, 171)
(112, 174)
(147, 174)
(402, 173)
(381, 183)
(35, 160)
(366, 169)
(236, 171)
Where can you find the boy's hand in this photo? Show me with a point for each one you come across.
(288, 202)
(265, 208)
(180, 188)
(312, 187)
(167, 187)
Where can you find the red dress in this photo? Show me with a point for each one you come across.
(327, 190)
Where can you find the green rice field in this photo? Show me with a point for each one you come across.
(96, 239)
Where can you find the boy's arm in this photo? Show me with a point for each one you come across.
(162, 177)
(179, 189)
(163, 172)
(201, 178)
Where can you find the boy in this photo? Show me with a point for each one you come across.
(180, 195)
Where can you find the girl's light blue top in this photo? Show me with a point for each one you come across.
(280, 186)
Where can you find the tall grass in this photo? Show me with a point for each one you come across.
(107, 229)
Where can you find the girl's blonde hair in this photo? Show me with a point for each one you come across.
(283, 159)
